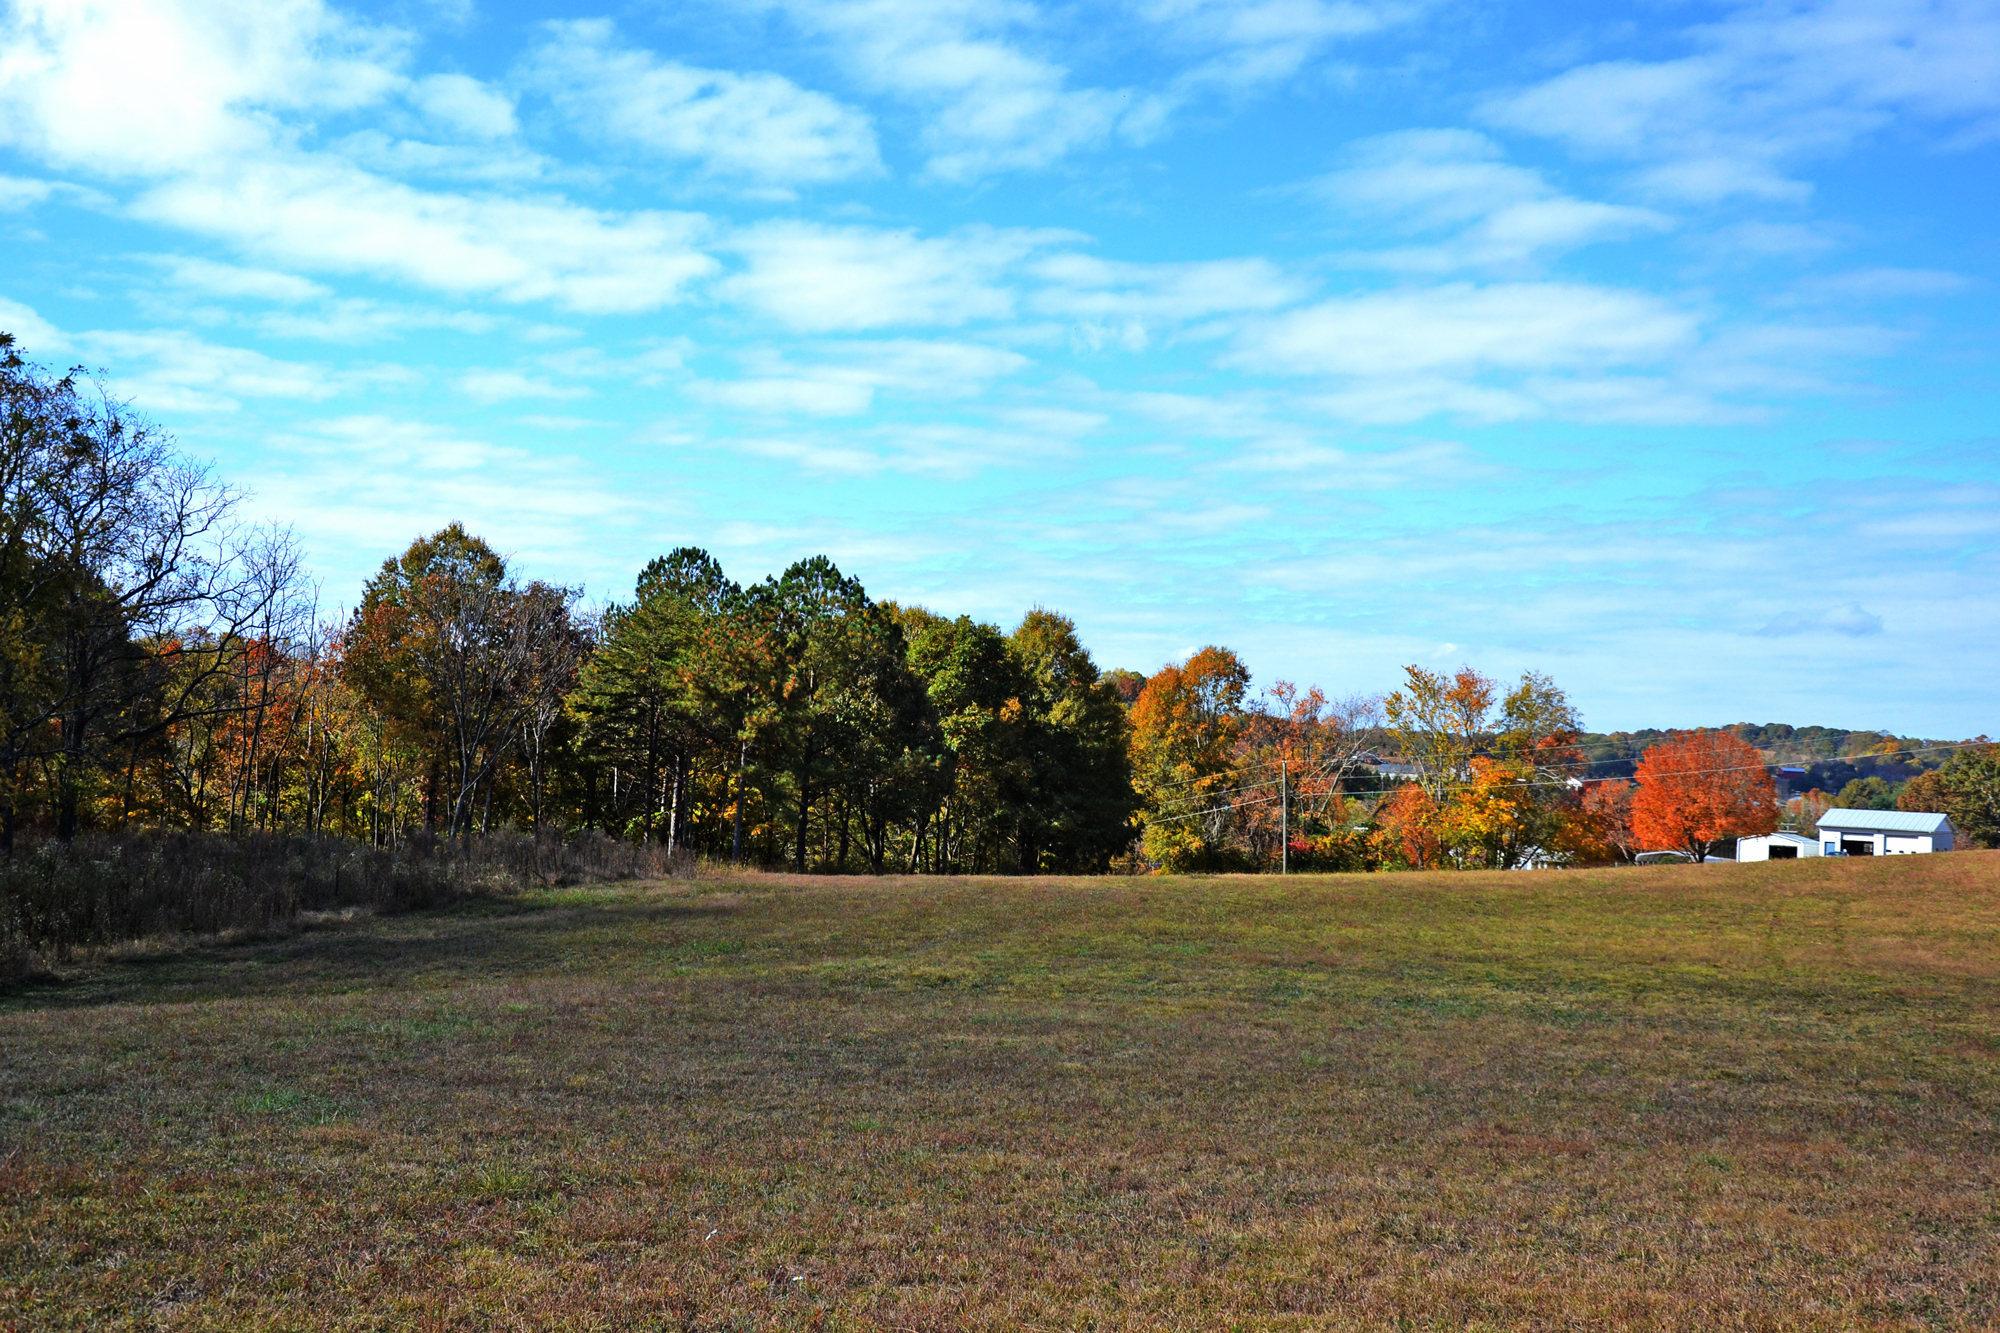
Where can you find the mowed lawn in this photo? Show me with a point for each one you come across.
(1699, 1097)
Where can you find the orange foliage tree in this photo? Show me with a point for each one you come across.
(1184, 731)
(1409, 830)
(1608, 806)
(1697, 788)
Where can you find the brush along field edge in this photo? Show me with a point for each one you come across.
(1705, 1096)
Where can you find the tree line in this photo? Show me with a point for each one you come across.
(163, 664)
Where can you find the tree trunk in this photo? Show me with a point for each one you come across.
(805, 808)
(72, 761)
(674, 807)
(846, 817)
(736, 837)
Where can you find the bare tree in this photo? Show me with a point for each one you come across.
(119, 559)
(552, 674)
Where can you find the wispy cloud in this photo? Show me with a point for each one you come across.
(843, 378)
(992, 103)
(1485, 211)
(757, 127)
(1849, 620)
(836, 278)
(1767, 88)
(1459, 326)
(1249, 44)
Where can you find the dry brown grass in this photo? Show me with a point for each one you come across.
(1690, 1097)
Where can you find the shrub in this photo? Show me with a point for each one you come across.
(106, 889)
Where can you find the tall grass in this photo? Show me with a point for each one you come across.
(105, 889)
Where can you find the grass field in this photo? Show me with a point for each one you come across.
(1700, 1097)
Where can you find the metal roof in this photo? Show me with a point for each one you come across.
(1881, 821)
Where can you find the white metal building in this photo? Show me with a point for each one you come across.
(1882, 833)
(1777, 847)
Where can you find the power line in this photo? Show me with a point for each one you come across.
(1466, 786)
(1325, 765)
(1202, 814)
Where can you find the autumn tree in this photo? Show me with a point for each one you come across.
(1185, 727)
(1698, 788)
(1529, 790)
(1803, 812)
(1125, 684)
(1925, 793)
(1971, 782)
(1304, 747)
(1409, 829)
(1439, 723)
(1608, 807)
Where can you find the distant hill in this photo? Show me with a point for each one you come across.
(1831, 756)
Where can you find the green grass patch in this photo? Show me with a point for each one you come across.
(1756, 1097)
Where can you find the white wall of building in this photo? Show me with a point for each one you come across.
(1759, 849)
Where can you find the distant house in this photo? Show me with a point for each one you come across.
(1882, 833)
(1393, 768)
(1777, 847)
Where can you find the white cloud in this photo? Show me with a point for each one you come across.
(1459, 181)
(816, 456)
(1850, 620)
(1252, 42)
(18, 192)
(992, 104)
(169, 372)
(231, 280)
(1875, 284)
(321, 214)
(483, 162)
(1783, 240)
(1464, 328)
(934, 449)
(1308, 462)
(147, 87)
(386, 444)
(1085, 286)
(192, 97)
(364, 484)
(34, 336)
(499, 386)
(465, 105)
(1770, 85)
(756, 127)
(844, 381)
(352, 320)
(822, 278)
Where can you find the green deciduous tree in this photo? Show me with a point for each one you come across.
(1971, 782)
(449, 646)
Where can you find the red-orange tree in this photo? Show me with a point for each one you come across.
(1697, 788)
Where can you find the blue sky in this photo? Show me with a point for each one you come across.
(1652, 349)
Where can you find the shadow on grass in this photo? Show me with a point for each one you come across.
(481, 937)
